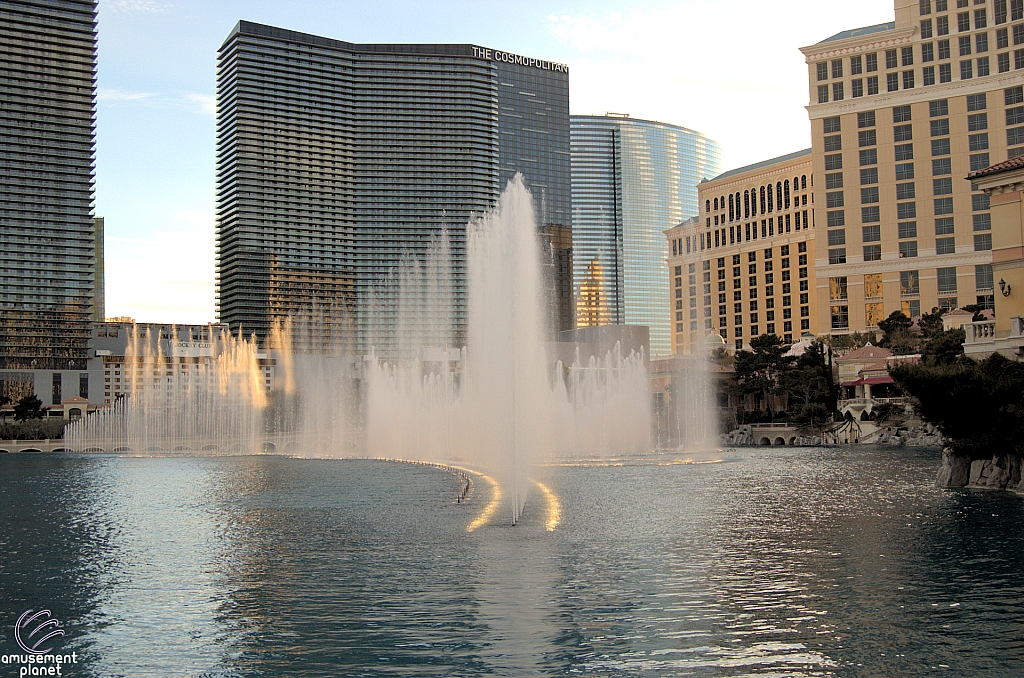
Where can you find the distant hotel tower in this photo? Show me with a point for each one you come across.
(47, 232)
(334, 159)
(631, 180)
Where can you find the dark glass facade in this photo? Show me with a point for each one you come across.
(47, 233)
(336, 160)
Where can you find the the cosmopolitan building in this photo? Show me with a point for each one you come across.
(335, 160)
(743, 267)
(900, 113)
(48, 242)
(631, 180)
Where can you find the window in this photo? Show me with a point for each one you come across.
(982, 242)
(926, 29)
(903, 152)
(979, 121)
(866, 119)
(983, 277)
(1014, 116)
(1018, 34)
(822, 71)
(980, 18)
(837, 256)
(1012, 95)
(946, 280)
(940, 128)
(979, 161)
(927, 52)
(901, 114)
(983, 67)
(1002, 38)
(873, 85)
(904, 171)
(942, 186)
(963, 22)
(906, 210)
(1016, 10)
(837, 68)
(837, 218)
(834, 200)
(892, 82)
(940, 146)
(869, 215)
(834, 180)
(837, 289)
(1014, 136)
(976, 102)
(840, 317)
(978, 142)
(907, 56)
(945, 73)
(910, 284)
(822, 94)
(855, 65)
(945, 246)
(938, 109)
(833, 143)
(944, 226)
(942, 166)
(982, 222)
(872, 253)
(869, 157)
(1000, 11)
(925, 6)
(908, 79)
(866, 138)
(928, 75)
(979, 202)
(890, 58)
(905, 191)
(857, 88)
(869, 176)
(832, 162)
(942, 26)
(1018, 58)
(837, 91)
(871, 61)
(943, 206)
(871, 234)
(831, 125)
(966, 70)
(902, 133)
(965, 45)
(981, 43)
(837, 237)
(1004, 62)
(907, 229)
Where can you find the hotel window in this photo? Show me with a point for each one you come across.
(982, 222)
(873, 85)
(944, 52)
(966, 70)
(892, 82)
(983, 277)
(866, 119)
(925, 6)
(872, 253)
(1014, 136)
(1016, 10)
(906, 210)
(837, 91)
(940, 146)
(837, 237)
(833, 181)
(1000, 11)
(866, 138)
(837, 289)
(871, 62)
(1013, 95)
(822, 94)
(901, 114)
(837, 68)
(982, 242)
(1018, 34)
(836, 218)
(907, 56)
(907, 229)
(942, 186)
(869, 215)
(871, 233)
(1002, 38)
(869, 157)
(946, 279)
(944, 226)
(833, 143)
(890, 58)
(978, 142)
(945, 246)
(840, 317)
(940, 128)
(928, 75)
(903, 152)
(902, 133)
(979, 121)
(981, 43)
(855, 65)
(869, 195)
(910, 284)
(873, 286)
(942, 25)
(980, 18)
(943, 206)
(965, 45)
(945, 73)
(976, 102)
(963, 22)
(905, 171)
(927, 52)
(832, 162)
(926, 29)
(869, 176)
(857, 88)
(979, 202)
(837, 256)
(822, 71)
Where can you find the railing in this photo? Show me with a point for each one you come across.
(772, 425)
(978, 332)
(877, 401)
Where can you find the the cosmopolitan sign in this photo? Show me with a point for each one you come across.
(518, 60)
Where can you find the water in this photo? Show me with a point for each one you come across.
(797, 562)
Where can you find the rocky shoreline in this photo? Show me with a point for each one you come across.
(1001, 472)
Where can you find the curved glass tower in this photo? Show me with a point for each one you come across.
(631, 180)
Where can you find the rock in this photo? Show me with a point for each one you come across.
(954, 472)
(977, 469)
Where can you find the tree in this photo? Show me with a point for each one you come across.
(29, 407)
(930, 324)
(898, 336)
(976, 309)
(758, 370)
(945, 348)
(4, 400)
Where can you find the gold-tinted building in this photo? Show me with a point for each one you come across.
(900, 113)
(743, 267)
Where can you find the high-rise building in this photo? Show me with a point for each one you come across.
(743, 267)
(631, 180)
(900, 113)
(47, 233)
(338, 161)
(99, 300)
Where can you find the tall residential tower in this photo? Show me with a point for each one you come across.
(337, 162)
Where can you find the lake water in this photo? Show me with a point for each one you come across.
(773, 562)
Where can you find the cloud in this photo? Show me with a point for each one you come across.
(107, 94)
(126, 6)
(207, 102)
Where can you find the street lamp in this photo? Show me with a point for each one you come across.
(1004, 288)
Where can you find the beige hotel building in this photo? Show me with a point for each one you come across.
(900, 113)
(743, 267)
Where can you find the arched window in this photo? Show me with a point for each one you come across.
(730, 207)
(707, 205)
(803, 183)
(771, 203)
(746, 204)
(778, 195)
(716, 204)
(738, 203)
(787, 194)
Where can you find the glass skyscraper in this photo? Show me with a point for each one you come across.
(631, 180)
(47, 232)
(338, 162)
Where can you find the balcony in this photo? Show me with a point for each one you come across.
(982, 339)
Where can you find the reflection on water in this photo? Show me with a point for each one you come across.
(772, 562)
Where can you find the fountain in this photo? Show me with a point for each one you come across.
(499, 403)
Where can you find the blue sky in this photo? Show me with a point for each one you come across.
(730, 70)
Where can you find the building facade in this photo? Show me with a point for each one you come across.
(338, 161)
(900, 113)
(743, 267)
(47, 233)
(631, 180)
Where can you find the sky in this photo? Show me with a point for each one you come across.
(731, 70)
